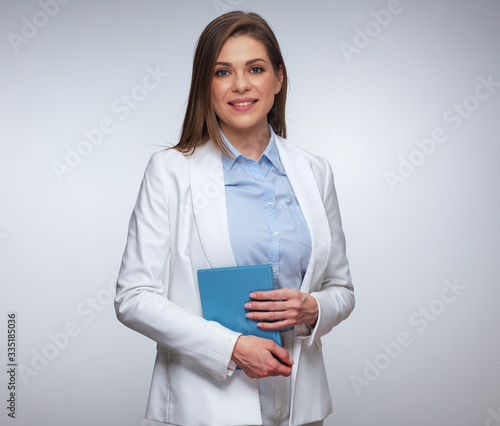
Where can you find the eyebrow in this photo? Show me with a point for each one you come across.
(249, 62)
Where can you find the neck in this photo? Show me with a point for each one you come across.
(250, 142)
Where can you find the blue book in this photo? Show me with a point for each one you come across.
(224, 292)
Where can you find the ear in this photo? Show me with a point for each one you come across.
(279, 80)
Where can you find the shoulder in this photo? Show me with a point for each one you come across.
(172, 161)
(168, 156)
(163, 163)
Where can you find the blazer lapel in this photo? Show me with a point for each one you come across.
(303, 182)
(209, 204)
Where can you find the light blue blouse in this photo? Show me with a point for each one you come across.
(266, 224)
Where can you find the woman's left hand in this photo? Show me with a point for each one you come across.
(285, 307)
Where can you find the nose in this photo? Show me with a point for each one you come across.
(241, 83)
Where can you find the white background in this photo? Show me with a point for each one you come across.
(360, 100)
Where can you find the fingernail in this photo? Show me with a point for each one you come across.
(248, 305)
(253, 295)
(249, 315)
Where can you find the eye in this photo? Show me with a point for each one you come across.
(256, 70)
(221, 73)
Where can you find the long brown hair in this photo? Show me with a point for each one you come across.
(200, 122)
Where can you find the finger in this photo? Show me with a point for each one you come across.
(277, 325)
(271, 315)
(282, 354)
(283, 370)
(270, 295)
(266, 306)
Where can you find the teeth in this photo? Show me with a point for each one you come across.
(242, 103)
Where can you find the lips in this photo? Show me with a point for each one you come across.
(242, 102)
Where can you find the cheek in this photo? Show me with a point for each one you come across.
(270, 88)
(213, 95)
(218, 96)
(215, 92)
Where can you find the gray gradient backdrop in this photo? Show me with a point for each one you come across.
(402, 97)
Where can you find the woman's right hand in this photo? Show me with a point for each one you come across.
(256, 357)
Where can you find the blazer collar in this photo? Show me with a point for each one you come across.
(298, 170)
(209, 204)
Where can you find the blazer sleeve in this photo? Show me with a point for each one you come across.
(336, 295)
(141, 301)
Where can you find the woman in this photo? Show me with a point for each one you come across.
(233, 192)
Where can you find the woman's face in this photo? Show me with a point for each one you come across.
(243, 86)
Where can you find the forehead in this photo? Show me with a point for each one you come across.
(240, 49)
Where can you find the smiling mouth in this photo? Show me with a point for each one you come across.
(241, 104)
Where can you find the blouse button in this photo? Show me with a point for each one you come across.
(276, 233)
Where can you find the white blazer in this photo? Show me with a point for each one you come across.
(179, 225)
